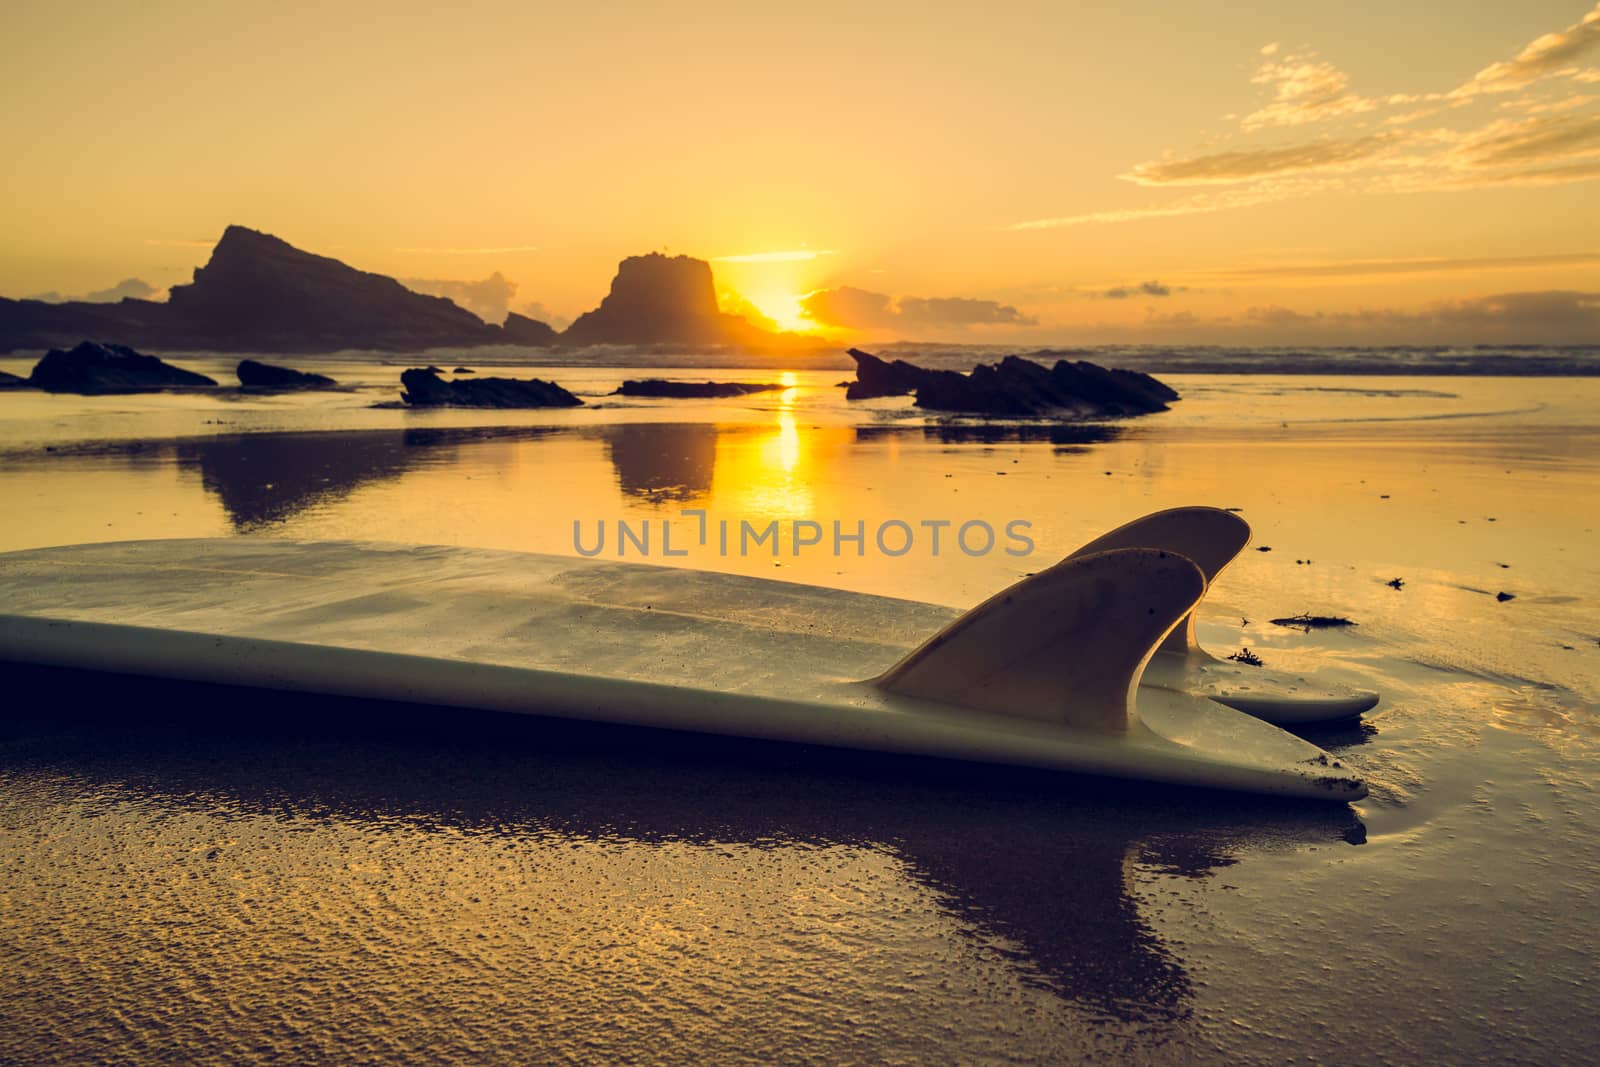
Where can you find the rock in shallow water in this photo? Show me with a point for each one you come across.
(1014, 386)
(266, 376)
(92, 367)
(425, 388)
(692, 390)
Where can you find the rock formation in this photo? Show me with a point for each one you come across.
(657, 299)
(521, 330)
(258, 293)
(877, 377)
(692, 390)
(425, 388)
(266, 376)
(1014, 386)
(101, 368)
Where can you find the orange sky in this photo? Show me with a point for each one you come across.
(1052, 172)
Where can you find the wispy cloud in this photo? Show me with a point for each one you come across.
(1543, 56)
(861, 309)
(1543, 131)
(1150, 288)
(1361, 268)
(1250, 164)
(127, 289)
(1196, 204)
(1552, 316)
(489, 298)
(795, 255)
(1305, 89)
(1540, 138)
(500, 250)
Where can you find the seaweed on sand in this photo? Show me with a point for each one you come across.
(1312, 622)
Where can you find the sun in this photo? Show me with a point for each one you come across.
(783, 308)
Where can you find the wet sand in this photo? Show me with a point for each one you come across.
(459, 890)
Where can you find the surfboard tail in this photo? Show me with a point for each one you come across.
(1211, 537)
(1066, 645)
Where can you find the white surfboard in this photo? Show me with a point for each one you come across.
(1213, 538)
(1043, 675)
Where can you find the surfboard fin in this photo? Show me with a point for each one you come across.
(1210, 537)
(1066, 645)
(1213, 538)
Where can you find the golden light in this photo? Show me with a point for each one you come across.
(784, 309)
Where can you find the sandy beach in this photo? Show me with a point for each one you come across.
(355, 881)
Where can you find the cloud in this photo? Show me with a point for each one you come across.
(489, 299)
(1305, 89)
(500, 250)
(1543, 56)
(1541, 137)
(535, 310)
(732, 303)
(849, 307)
(1198, 204)
(127, 289)
(860, 309)
(798, 255)
(1553, 317)
(1538, 139)
(959, 311)
(1250, 164)
(1564, 312)
(1150, 288)
(1361, 268)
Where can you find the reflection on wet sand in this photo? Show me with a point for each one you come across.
(661, 462)
(1044, 866)
(1066, 434)
(265, 479)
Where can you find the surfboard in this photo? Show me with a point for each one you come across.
(1213, 538)
(1043, 675)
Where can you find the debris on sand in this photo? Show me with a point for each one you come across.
(1244, 655)
(1396, 583)
(1312, 622)
(1503, 597)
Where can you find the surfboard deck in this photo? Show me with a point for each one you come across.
(593, 640)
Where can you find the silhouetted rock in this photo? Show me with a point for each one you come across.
(657, 299)
(1014, 386)
(11, 381)
(259, 291)
(692, 390)
(877, 377)
(426, 389)
(463, 370)
(28, 324)
(266, 376)
(100, 368)
(1130, 391)
(521, 330)
(260, 294)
